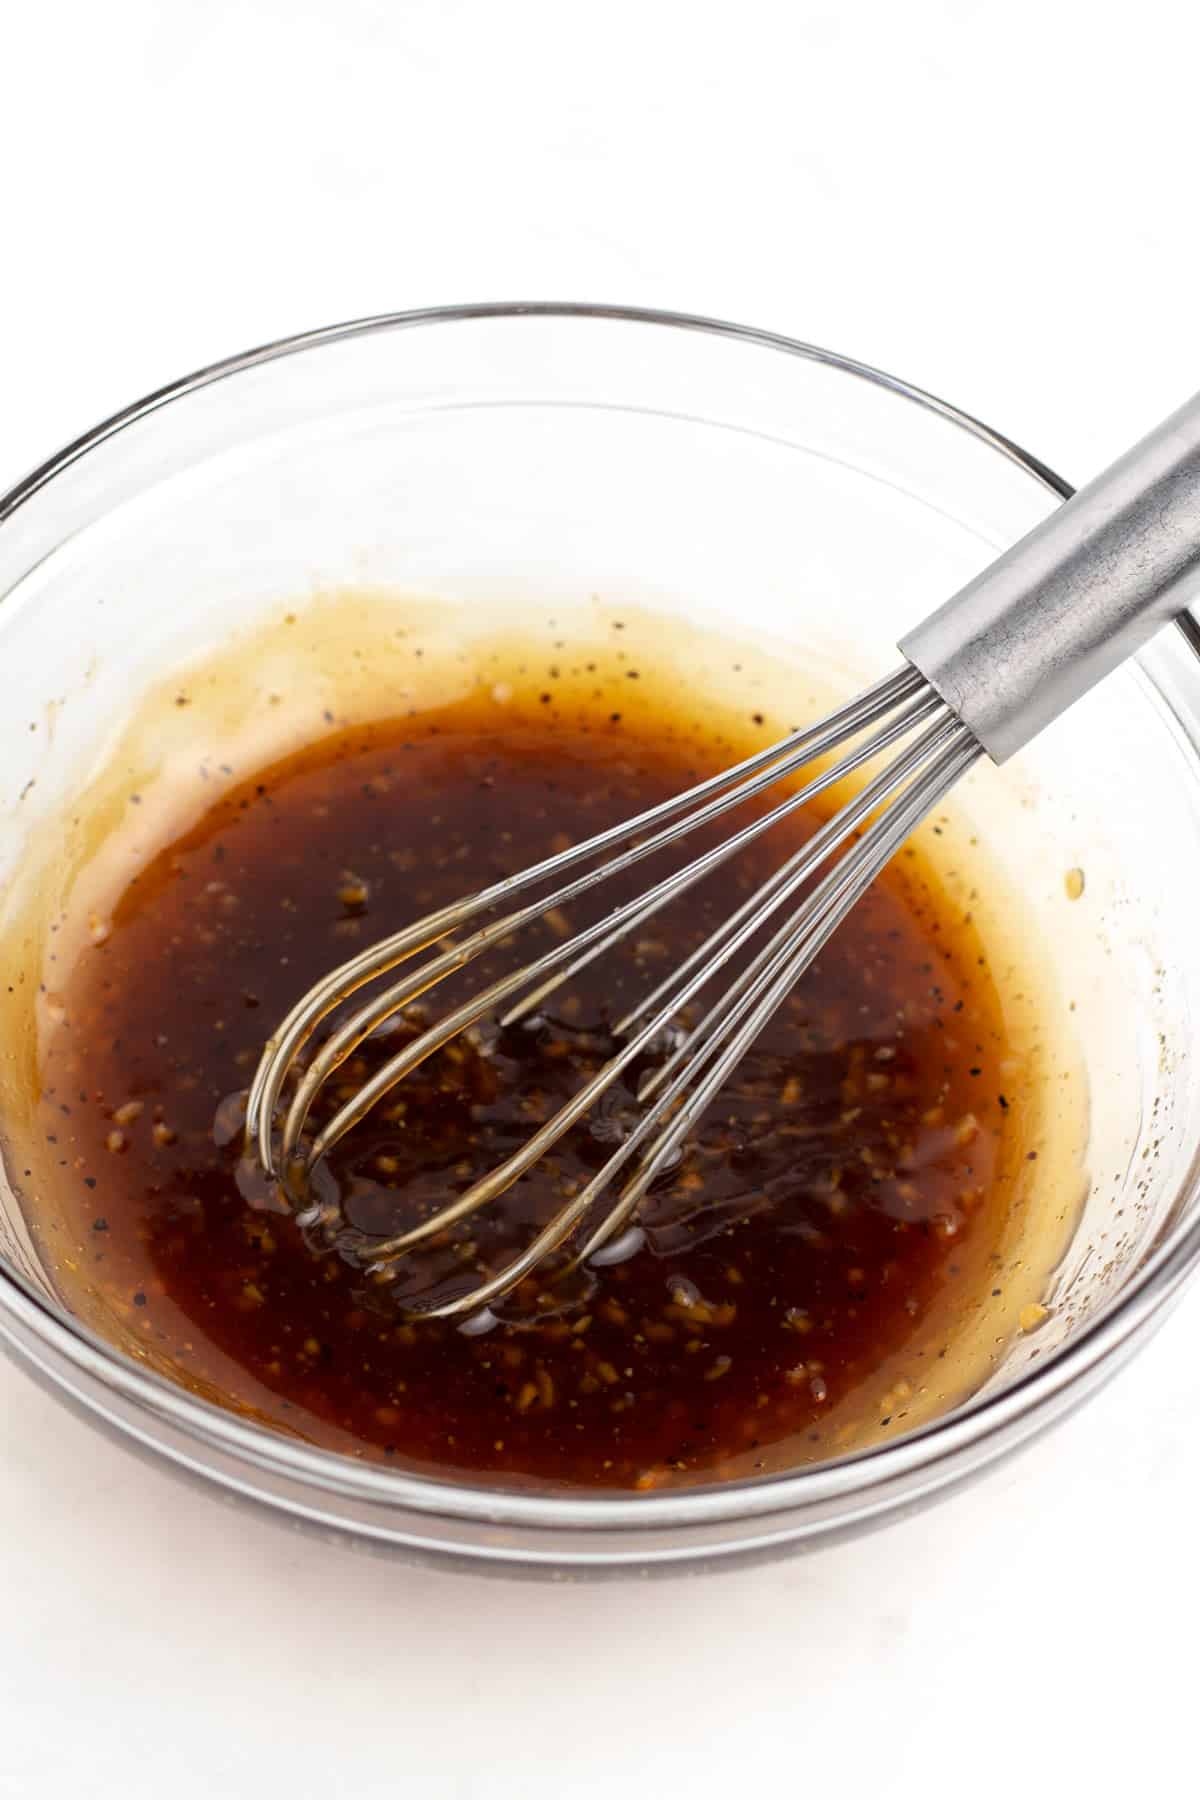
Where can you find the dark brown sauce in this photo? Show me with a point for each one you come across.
(845, 1183)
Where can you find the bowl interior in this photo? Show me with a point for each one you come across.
(539, 463)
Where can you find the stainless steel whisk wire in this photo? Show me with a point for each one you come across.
(1009, 652)
(771, 973)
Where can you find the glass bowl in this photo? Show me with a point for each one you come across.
(735, 479)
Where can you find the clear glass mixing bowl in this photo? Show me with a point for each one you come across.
(737, 479)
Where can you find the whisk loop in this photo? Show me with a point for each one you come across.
(702, 1057)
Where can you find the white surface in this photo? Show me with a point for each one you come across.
(995, 201)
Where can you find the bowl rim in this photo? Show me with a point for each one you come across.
(1033, 1398)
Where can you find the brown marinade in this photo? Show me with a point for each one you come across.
(846, 1178)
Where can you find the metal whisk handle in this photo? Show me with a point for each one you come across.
(1074, 598)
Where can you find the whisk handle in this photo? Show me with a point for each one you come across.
(1074, 598)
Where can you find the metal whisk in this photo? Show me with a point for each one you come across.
(1005, 656)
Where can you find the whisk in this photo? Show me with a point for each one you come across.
(982, 675)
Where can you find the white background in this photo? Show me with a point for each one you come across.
(997, 201)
